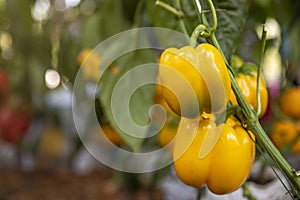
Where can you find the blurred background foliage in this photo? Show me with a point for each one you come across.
(42, 43)
(41, 35)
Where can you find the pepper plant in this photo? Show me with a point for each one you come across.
(207, 31)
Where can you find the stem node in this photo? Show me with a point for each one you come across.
(297, 173)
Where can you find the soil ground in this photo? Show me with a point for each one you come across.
(49, 184)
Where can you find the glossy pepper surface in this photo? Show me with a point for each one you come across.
(194, 80)
(225, 165)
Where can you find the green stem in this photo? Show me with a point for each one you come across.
(214, 16)
(197, 4)
(216, 43)
(200, 30)
(230, 110)
(177, 13)
(247, 110)
(138, 13)
(182, 26)
(254, 125)
(204, 30)
(247, 193)
(180, 20)
(262, 50)
(54, 53)
(201, 192)
(55, 38)
(262, 138)
(265, 142)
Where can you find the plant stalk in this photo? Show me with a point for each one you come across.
(254, 125)
(170, 8)
(180, 20)
(176, 11)
(259, 70)
(262, 138)
(247, 193)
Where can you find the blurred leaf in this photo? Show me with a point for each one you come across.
(141, 99)
(107, 21)
(112, 20)
(90, 35)
(4, 21)
(293, 52)
(129, 7)
(21, 23)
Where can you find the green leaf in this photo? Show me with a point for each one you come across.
(231, 15)
(90, 35)
(112, 19)
(107, 21)
(135, 109)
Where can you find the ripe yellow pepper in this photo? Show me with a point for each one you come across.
(247, 83)
(289, 102)
(283, 134)
(112, 135)
(168, 132)
(194, 80)
(226, 163)
(90, 63)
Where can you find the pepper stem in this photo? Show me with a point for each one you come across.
(262, 50)
(262, 138)
(250, 117)
(176, 11)
(214, 16)
(200, 30)
(247, 193)
(169, 8)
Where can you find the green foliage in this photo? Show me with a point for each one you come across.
(160, 17)
(90, 35)
(32, 41)
(136, 110)
(112, 19)
(231, 15)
